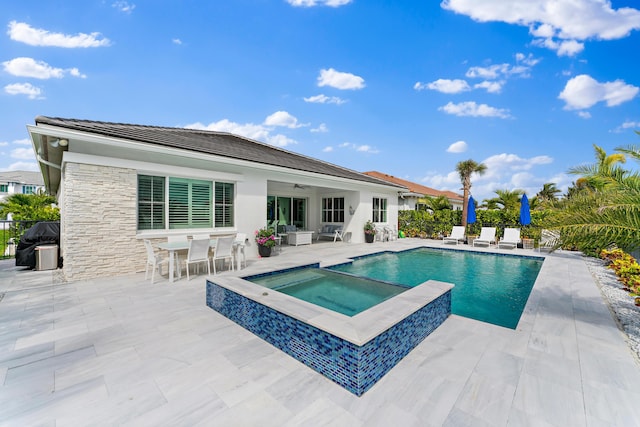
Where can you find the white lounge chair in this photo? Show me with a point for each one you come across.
(392, 232)
(457, 235)
(487, 236)
(549, 239)
(510, 239)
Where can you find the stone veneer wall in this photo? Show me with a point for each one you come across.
(99, 222)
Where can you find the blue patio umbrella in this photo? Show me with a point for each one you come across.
(525, 214)
(471, 211)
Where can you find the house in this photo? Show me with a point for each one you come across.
(412, 199)
(20, 182)
(118, 184)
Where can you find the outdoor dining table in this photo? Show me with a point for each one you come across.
(172, 247)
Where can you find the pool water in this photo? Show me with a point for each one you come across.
(490, 288)
(343, 293)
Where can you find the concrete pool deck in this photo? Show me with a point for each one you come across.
(121, 350)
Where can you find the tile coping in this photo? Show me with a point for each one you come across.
(358, 329)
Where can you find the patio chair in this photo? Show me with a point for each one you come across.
(154, 260)
(549, 240)
(392, 233)
(197, 254)
(487, 236)
(182, 239)
(240, 242)
(456, 236)
(224, 250)
(510, 239)
(381, 234)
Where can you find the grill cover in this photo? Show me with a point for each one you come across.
(42, 233)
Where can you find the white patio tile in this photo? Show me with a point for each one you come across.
(120, 351)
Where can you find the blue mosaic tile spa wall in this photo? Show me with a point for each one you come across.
(356, 368)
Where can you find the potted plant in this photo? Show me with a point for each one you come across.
(369, 231)
(266, 239)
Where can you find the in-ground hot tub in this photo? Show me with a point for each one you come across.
(355, 352)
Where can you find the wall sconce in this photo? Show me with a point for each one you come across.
(351, 211)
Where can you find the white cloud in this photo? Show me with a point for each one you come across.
(360, 148)
(470, 108)
(563, 48)
(445, 86)
(284, 119)
(504, 171)
(322, 128)
(327, 149)
(584, 114)
(566, 20)
(28, 89)
(29, 67)
(340, 80)
(490, 72)
(22, 153)
(627, 125)
(124, 6)
(24, 141)
(323, 99)
(491, 87)
(457, 147)
(3, 143)
(22, 32)
(23, 166)
(583, 92)
(311, 3)
(176, 41)
(248, 130)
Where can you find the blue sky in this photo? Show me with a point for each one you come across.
(405, 88)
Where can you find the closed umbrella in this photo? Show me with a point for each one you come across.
(525, 214)
(471, 211)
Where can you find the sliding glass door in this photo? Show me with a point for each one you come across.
(286, 211)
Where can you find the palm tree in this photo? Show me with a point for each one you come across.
(596, 176)
(29, 207)
(465, 169)
(507, 199)
(608, 211)
(548, 192)
(436, 203)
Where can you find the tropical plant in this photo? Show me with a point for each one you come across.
(507, 199)
(465, 169)
(369, 228)
(597, 175)
(265, 237)
(548, 192)
(23, 207)
(435, 203)
(606, 212)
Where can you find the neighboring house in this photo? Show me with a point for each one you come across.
(118, 184)
(20, 182)
(412, 199)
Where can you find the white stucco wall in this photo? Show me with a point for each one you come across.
(98, 200)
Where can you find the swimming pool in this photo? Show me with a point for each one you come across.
(346, 294)
(493, 288)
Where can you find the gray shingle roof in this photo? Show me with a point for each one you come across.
(22, 177)
(209, 142)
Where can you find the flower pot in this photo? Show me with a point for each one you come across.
(369, 237)
(264, 251)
